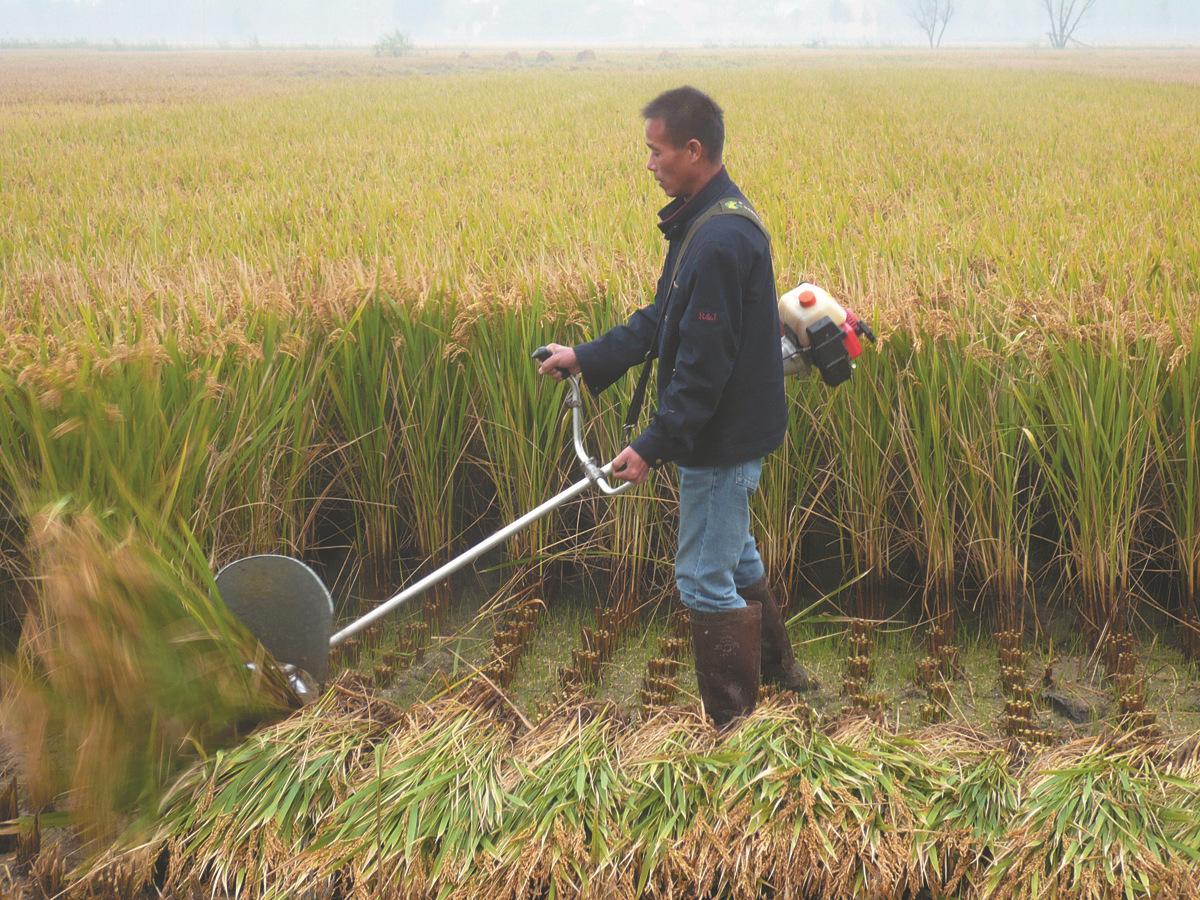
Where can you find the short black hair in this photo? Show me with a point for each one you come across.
(687, 113)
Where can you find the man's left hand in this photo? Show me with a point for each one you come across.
(560, 363)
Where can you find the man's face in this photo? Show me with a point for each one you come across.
(673, 167)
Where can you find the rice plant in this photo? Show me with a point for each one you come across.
(521, 425)
(997, 483)
(1178, 458)
(793, 480)
(1091, 433)
(950, 243)
(631, 539)
(861, 457)
(933, 466)
(367, 410)
(260, 494)
(434, 389)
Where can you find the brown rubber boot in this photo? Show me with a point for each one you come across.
(727, 647)
(779, 666)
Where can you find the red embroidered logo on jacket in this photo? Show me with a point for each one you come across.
(708, 317)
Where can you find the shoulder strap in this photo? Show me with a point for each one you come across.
(721, 207)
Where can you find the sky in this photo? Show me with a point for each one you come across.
(580, 23)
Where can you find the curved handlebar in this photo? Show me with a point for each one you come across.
(574, 402)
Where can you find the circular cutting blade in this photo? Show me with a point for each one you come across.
(285, 605)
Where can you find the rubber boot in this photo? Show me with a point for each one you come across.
(727, 647)
(779, 666)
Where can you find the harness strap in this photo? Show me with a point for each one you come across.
(721, 207)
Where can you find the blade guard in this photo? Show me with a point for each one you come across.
(285, 605)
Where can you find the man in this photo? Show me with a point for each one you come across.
(714, 327)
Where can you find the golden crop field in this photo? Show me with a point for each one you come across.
(213, 206)
(284, 302)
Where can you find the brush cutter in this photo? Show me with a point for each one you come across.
(287, 607)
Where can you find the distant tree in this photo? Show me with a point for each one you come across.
(1064, 19)
(932, 16)
(395, 44)
(840, 12)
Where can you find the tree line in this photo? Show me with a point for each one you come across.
(1065, 16)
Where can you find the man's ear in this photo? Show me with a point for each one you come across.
(695, 149)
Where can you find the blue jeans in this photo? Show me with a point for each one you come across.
(717, 555)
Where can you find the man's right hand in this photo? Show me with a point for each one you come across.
(561, 359)
(629, 466)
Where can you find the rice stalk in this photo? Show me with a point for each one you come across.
(526, 446)
(791, 483)
(671, 767)
(562, 828)
(241, 820)
(363, 386)
(431, 802)
(1091, 420)
(452, 800)
(862, 446)
(433, 389)
(827, 817)
(998, 488)
(1177, 455)
(932, 463)
(966, 817)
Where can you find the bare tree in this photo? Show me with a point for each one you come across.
(1064, 19)
(932, 16)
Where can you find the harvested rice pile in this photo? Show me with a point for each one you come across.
(459, 798)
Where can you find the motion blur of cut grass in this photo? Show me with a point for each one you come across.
(123, 671)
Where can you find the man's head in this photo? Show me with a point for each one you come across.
(685, 131)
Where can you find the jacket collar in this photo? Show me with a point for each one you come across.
(676, 216)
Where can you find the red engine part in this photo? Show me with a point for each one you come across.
(852, 328)
(850, 335)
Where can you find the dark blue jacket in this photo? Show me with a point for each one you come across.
(721, 397)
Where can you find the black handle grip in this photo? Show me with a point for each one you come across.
(541, 354)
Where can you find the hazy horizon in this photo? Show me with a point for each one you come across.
(581, 22)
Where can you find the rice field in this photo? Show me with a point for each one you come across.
(284, 302)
